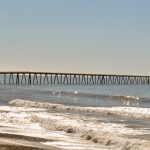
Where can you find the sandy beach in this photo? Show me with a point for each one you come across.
(21, 142)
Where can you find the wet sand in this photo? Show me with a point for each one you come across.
(17, 147)
(21, 142)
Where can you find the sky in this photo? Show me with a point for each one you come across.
(78, 36)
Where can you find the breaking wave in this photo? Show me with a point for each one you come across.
(93, 129)
(132, 112)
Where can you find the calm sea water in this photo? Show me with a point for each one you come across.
(92, 95)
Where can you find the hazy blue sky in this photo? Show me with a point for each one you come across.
(93, 36)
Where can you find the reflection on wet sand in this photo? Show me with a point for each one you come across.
(22, 142)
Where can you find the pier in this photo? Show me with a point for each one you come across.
(49, 78)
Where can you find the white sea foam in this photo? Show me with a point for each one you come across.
(19, 121)
(132, 112)
(132, 97)
(95, 130)
(90, 128)
(18, 109)
(75, 92)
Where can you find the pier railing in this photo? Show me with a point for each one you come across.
(48, 78)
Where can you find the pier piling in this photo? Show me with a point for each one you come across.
(48, 78)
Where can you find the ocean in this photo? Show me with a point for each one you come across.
(78, 116)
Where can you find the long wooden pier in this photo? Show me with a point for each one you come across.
(49, 78)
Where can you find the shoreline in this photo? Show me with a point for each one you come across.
(36, 125)
(18, 147)
(22, 142)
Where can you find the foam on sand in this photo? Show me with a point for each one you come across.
(107, 134)
(91, 129)
(19, 128)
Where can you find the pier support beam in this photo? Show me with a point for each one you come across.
(39, 78)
